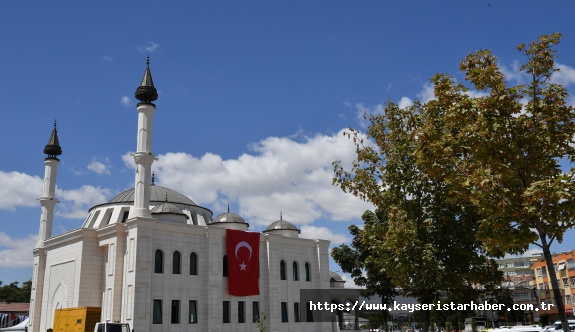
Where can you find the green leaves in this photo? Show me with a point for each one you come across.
(463, 175)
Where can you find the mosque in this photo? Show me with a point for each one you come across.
(153, 258)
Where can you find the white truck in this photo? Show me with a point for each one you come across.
(112, 327)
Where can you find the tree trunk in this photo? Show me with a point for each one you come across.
(554, 283)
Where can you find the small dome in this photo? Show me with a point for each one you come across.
(334, 277)
(230, 218)
(280, 225)
(167, 208)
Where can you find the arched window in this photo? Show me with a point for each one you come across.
(177, 263)
(225, 265)
(193, 264)
(159, 261)
(282, 270)
(295, 271)
(307, 272)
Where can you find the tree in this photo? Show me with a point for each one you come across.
(417, 239)
(500, 148)
(14, 293)
(261, 323)
(366, 270)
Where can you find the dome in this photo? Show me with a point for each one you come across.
(281, 225)
(335, 277)
(230, 220)
(228, 217)
(157, 194)
(167, 208)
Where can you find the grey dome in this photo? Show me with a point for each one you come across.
(334, 277)
(167, 208)
(228, 217)
(157, 194)
(281, 225)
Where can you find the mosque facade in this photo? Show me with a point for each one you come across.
(155, 259)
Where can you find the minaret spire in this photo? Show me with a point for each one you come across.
(48, 201)
(145, 93)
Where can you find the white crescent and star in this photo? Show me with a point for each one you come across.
(247, 246)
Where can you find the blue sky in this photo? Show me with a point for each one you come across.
(253, 98)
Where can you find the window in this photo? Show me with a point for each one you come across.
(295, 271)
(225, 266)
(308, 312)
(255, 311)
(570, 263)
(296, 312)
(284, 312)
(282, 270)
(193, 264)
(567, 299)
(539, 272)
(175, 312)
(157, 312)
(572, 282)
(159, 261)
(241, 311)
(193, 308)
(544, 271)
(125, 216)
(565, 283)
(226, 309)
(555, 267)
(177, 262)
(307, 272)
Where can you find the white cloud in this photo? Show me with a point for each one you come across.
(362, 111)
(314, 232)
(76, 202)
(99, 167)
(23, 190)
(281, 175)
(513, 73)
(565, 75)
(19, 189)
(405, 102)
(107, 58)
(16, 252)
(149, 48)
(427, 93)
(126, 101)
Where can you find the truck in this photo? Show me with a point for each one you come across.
(112, 327)
(85, 319)
(79, 319)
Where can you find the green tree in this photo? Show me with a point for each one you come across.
(416, 238)
(362, 263)
(500, 148)
(261, 323)
(14, 293)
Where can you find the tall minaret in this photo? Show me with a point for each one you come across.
(48, 201)
(146, 94)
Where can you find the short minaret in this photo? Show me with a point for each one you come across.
(146, 94)
(48, 201)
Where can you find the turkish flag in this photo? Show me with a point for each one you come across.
(243, 262)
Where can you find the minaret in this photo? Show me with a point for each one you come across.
(48, 201)
(146, 94)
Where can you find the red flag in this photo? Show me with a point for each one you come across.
(243, 262)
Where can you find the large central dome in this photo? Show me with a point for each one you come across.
(157, 194)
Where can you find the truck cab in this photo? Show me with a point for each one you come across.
(112, 327)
